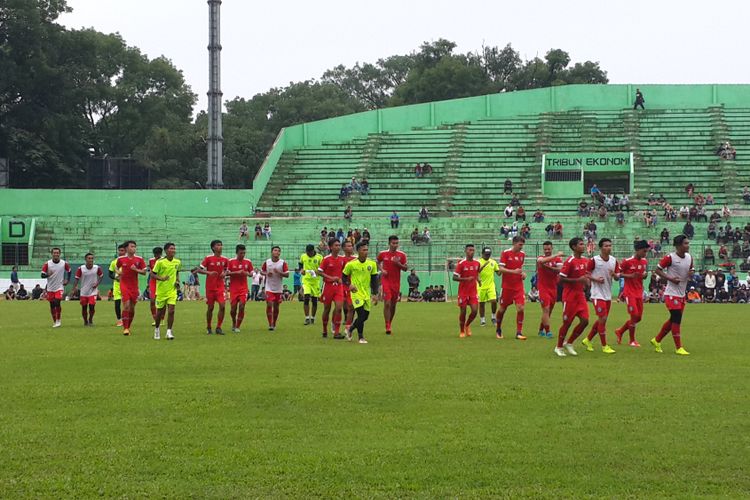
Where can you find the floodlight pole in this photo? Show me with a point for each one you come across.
(215, 134)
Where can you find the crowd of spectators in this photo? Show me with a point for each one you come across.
(422, 237)
(706, 285)
(361, 187)
(430, 294)
(422, 170)
(726, 151)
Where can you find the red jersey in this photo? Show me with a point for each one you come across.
(546, 278)
(386, 259)
(151, 264)
(346, 261)
(633, 286)
(512, 260)
(333, 267)
(215, 282)
(128, 277)
(573, 268)
(467, 269)
(238, 282)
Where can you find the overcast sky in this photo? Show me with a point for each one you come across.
(269, 44)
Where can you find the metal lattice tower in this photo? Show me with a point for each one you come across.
(215, 134)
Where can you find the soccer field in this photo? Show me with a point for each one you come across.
(88, 412)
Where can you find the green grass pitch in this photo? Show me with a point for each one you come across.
(88, 412)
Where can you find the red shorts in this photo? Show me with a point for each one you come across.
(547, 299)
(129, 295)
(509, 297)
(332, 293)
(674, 303)
(468, 300)
(575, 306)
(635, 306)
(88, 301)
(215, 296)
(601, 307)
(391, 291)
(237, 297)
(152, 289)
(58, 295)
(274, 298)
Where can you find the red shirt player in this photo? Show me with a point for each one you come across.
(332, 270)
(547, 271)
(467, 275)
(238, 269)
(152, 281)
(633, 271)
(391, 262)
(512, 291)
(574, 276)
(215, 267)
(130, 266)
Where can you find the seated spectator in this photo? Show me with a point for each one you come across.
(664, 236)
(286, 294)
(22, 293)
(688, 230)
(746, 194)
(602, 212)
(700, 214)
(365, 235)
(708, 256)
(726, 151)
(514, 201)
(355, 185)
(647, 219)
(651, 199)
(699, 200)
(709, 199)
(684, 212)
(429, 294)
(504, 230)
(344, 192)
(656, 248)
(661, 200)
(595, 192)
(583, 209)
(550, 230)
(424, 214)
(394, 220)
(244, 231)
(365, 187)
(507, 186)
(558, 230)
(340, 235)
(415, 235)
(426, 169)
(348, 213)
(10, 293)
(723, 253)
(690, 189)
(267, 230)
(417, 170)
(426, 236)
(513, 231)
(620, 218)
(414, 296)
(533, 294)
(715, 217)
(711, 231)
(625, 203)
(258, 231)
(693, 296)
(36, 292)
(508, 211)
(526, 231)
(521, 214)
(538, 216)
(726, 213)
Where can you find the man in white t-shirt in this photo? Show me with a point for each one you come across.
(676, 268)
(87, 278)
(274, 270)
(603, 268)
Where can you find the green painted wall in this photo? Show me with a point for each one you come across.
(118, 203)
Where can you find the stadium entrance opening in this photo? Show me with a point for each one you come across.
(608, 182)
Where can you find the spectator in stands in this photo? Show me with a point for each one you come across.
(258, 231)
(595, 192)
(550, 230)
(625, 203)
(558, 230)
(415, 235)
(726, 213)
(424, 214)
(355, 185)
(656, 248)
(715, 217)
(344, 191)
(708, 255)
(426, 169)
(267, 230)
(365, 235)
(538, 216)
(726, 151)
(709, 199)
(365, 187)
(36, 292)
(746, 194)
(244, 231)
(723, 253)
(620, 218)
(589, 229)
(699, 200)
(693, 296)
(413, 281)
(664, 236)
(426, 236)
(508, 211)
(651, 200)
(647, 218)
(526, 231)
(507, 186)
(521, 214)
(654, 217)
(22, 293)
(590, 247)
(711, 232)
(417, 170)
(709, 286)
(515, 201)
(602, 212)
(340, 235)
(690, 189)
(639, 100)
(394, 220)
(348, 213)
(504, 230)
(684, 212)
(688, 230)
(513, 231)
(700, 214)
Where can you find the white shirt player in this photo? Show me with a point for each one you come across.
(88, 280)
(678, 267)
(601, 268)
(274, 279)
(55, 274)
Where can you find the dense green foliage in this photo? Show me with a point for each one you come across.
(90, 413)
(66, 95)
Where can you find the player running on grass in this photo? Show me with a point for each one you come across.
(129, 268)
(214, 266)
(512, 291)
(309, 262)
(467, 275)
(114, 276)
(88, 276)
(238, 269)
(57, 273)
(363, 277)
(275, 270)
(157, 251)
(391, 262)
(166, 273)
(348, 307)
(547, 271)
(676, 268)
(574, 276)
(488, 267)
(633, 270)
(331, 270)
(603, 268)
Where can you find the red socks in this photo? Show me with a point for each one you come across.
(269, 314)
(240, 317)
(676, 335)
(664, 330)
(519, 321)
(275, 313)
(562, 333)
